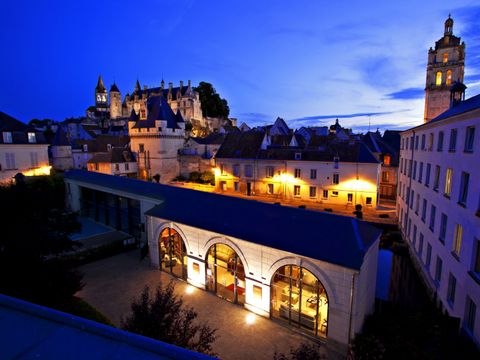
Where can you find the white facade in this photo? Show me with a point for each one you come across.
(439, 219)
(339, 183)
(350, 292)
(28, 159)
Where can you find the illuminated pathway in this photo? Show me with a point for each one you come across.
(112, 283)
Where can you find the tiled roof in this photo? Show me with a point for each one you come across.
(114, 156)
(335, 239)
(241, 145)
(60, 138)
(100, 143)
(211, 139)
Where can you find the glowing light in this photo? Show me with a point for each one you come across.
(43, 170)
(250, 319)
(216, 171)
(190, 289)
(357, 185)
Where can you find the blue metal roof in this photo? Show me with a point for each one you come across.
(332, 238)
(30, 331)
(463, 107)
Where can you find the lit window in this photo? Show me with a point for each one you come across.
(438, 80)
(386, 159)
(448, 182)
(296, 190)
(269, 188)
(449, 77)
(7, 137)
(457, 239)
(445, 57)
(31, 138)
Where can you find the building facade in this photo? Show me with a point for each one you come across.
(340, 173)
(117, 161)
(438, 206)
(22, 150)
(446, 65)
(320, 283)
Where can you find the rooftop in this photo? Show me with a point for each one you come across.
(32, 331)
(331, 238)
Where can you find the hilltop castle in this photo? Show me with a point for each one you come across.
(182, 99)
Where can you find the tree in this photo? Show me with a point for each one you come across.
(164, 317)
(304, 351)
(36, 228)
(212, 104)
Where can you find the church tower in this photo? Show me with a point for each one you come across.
(101, 101)
(446, 65)
(115, 102)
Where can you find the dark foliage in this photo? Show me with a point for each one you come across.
(35, 228)
(212, 104)
(205, 177)
(164, 317)
(304, 351)
(399, 334)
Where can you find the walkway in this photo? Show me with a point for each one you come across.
(112, 283)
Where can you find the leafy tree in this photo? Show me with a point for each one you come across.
(35, 228)
(304, 351)
(164, 317)
(212, 104)
(207, 177)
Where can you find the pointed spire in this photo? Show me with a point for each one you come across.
(137, 86)
(114, 88)
(100, 87)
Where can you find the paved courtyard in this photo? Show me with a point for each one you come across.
(112, 283)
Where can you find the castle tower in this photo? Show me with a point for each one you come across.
(115, 102)
(446, 65)
(101, 100)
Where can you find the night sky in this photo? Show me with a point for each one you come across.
(305, 61)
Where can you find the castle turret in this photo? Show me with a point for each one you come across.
(101, 100)
(115, 102)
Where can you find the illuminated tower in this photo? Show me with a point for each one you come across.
(101, 101)
(446, 65)
(115, 102)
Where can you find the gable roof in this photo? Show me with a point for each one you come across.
(60, 138)
(241, 145)
(19, 130)
(335, 239)
(115, 156)
(9, 123)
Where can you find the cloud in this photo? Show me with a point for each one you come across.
(347, 116)
(407, 94)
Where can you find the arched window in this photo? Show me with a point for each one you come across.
(449, 77)
(173, 254)
(225, 273)
(438, 80)
(298, 297)
(445, 57)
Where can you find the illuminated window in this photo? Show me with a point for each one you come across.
(386, 159)
(85, 147)
(31, 138)
(457, 239)
(438, 80)
(449, 77)
(296, 190)
(448, 182)
(445, 57)
(270, 188)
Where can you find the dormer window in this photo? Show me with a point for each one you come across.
(386, 159)
(298, 156)
(85, 148)
(143, 114)
(7, 137)
(31, 138)
(445, 58)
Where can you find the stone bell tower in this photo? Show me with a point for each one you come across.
(446, 65)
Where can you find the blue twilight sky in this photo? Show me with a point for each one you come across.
(306, 61)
